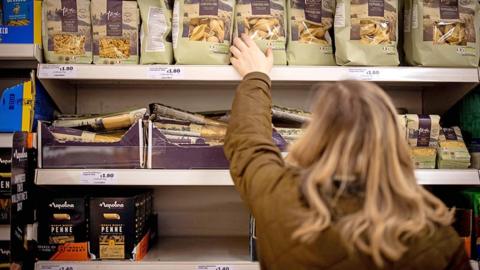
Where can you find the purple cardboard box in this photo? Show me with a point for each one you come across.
(163, 154)
(128, 153)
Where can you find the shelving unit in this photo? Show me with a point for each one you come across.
(178, 253)
(4, 232)
(158, 177)
(154, 73)
(6, 140)
(20, 55)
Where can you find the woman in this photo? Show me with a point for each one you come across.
(347, 197)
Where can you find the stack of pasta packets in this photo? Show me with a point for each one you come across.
(452, 151)
(423, 132)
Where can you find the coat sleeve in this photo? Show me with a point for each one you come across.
(256, 164)
(459, 259)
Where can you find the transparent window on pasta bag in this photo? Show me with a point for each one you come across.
(118, 48)
(206, 29)
(69, 44)
(449, 33)
(313, 33)
(376, 32)
(264, 28)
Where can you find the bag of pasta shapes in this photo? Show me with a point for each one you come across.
(67, 31)
(310, 37)
(202, 31)
(115, 31)
(155, 32)
(264, 21)
(442, 33)
(366, 32)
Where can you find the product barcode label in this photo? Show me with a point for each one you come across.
(364, 74)
(57, 71)
(98, 178)
(58, 267)
(165, 73)
(215, 267)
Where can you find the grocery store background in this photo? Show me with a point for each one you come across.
(125, 169)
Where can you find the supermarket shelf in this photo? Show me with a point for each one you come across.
(448, 177)
(4, 232)
(177, 253)
(6, 140)
(152, 177)
(145, 177)
(474, 264)
(227, 73)
(20, 55)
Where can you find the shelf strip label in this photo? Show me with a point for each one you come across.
(165, 73)
(215, 267)
(58, 267)
(57, 71)
(98, 178)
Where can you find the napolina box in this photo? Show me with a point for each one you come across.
(116, 226)
(62, 221)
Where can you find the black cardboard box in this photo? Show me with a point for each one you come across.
(115, 226)
(4, 255)
(61, 221)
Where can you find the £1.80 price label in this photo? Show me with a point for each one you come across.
(215, 267)
(365, 74)
(58, 267)
(98, 178)
(57, 71)
(165, 73)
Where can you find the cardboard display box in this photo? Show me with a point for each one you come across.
(162, 154)
(128, 153)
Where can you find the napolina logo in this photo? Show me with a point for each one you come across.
(5, 161)
(20, 155)
(61, 205)
(111, 205)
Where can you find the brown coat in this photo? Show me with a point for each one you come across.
(271, 191)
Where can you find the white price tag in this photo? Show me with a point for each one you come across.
(165, 73)
(58, 267)
(364, 74)
(215, 267)
(98, 178)
(57, 71)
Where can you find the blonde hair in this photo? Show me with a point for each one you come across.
(355, 139)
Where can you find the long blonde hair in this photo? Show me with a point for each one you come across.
(354, 138)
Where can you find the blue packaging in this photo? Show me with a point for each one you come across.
(21, 21)
(17, 12)
(22, 105)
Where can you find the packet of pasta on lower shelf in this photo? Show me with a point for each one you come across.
(115, 31)
(64, 134)
(452, 151)
(104, 122)
(67, 31)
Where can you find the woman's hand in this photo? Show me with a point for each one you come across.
(247, 57)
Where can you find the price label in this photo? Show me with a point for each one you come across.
(215, 267)
(364, 74)
(98, 178)
(57, 71)
(58, 267)
(165, 73)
